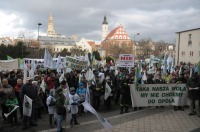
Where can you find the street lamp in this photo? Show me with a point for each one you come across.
(135, 43)
(39, 24)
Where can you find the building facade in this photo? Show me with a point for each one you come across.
(188, 46)
(117, 42)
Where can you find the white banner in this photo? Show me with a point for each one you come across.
(102, 120)
(9, 64)
(158, 95)
(126, 60)
(39, 63)
(27, 106)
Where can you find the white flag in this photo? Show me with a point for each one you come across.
(89, 75)
(33, 67)
(107, 91)
(59, 64)
(87, 59)
(27, 106)
(6, 115)
(43, 86)
(48, 60)
(102, 120)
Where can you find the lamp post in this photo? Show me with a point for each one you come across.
(39, 24)
(135, 44)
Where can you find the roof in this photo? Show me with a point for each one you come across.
(91, 43)
(117, 31)
(188, 30)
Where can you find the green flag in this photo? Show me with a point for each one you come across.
(9, 58)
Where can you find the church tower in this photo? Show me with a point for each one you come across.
(50, 30)
(104, 29)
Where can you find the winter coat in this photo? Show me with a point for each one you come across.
(11, 103)
(4, 92)
(51, 104)
(194, 93)
(60, 102)
(30, 91)
(73, 101)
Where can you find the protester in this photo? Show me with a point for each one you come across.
(60, 108)
(29, 90)
(17, 89)
(51, 101)
(193, 85)
(11, 102)
(73, 101)
(5, 90)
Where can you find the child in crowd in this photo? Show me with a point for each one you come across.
(51, 106)
(81, 91)
(73, 101)
(11, 102)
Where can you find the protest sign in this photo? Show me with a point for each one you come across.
(27, 106)
(158, 95)
(126, 60)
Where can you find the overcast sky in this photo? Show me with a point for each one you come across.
(156, 19)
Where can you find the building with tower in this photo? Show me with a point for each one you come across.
(116, 42)
(104, 29)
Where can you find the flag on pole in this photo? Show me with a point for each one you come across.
(102, 120)
(48, 60)
(87, 59)
(107, 91)
(33, 67)
(59, 65)
(20, 62)
(7, 114)
(27, 106)
(89, 75)
(9, 57)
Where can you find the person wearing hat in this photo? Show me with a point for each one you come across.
(108, 100)
(60, 108)
(81, 91)
(17, 89)
(125, 94)
(5, 90)
(51, 101)
(29, 90)
(11, 102)
(193, 85)
(73, 101)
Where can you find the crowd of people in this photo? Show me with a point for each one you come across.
(60, 94)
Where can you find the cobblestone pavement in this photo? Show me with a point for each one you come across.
(146, 120)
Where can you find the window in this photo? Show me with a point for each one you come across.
(124, 37)
(199, 53)
(191, 53)
(183, 53)
(189, 39)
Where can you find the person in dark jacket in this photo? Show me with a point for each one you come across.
(125, 95)
(193, 85)
(29, 90)
(60, 108)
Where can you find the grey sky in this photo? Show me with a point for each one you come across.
(157, 19)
